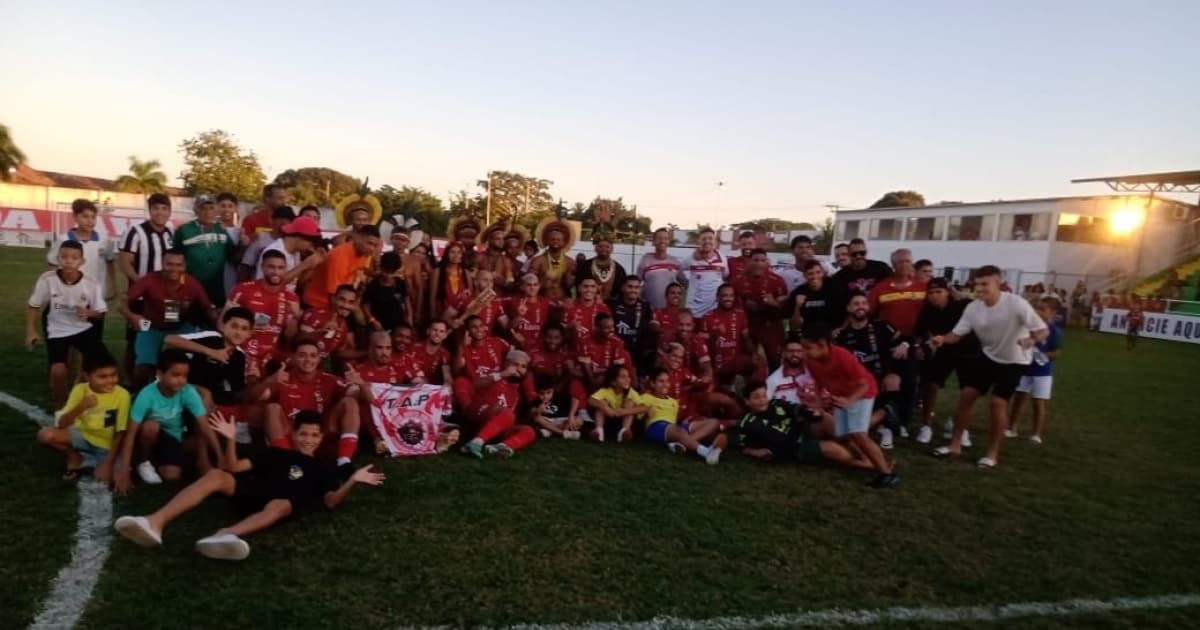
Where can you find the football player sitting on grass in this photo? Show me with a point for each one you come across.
(268, 487)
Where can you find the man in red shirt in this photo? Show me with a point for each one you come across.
(276, 312)
(762, 292)
(330, 325)
(493, 410)
(528, 313)
(258, 225)
(172, 303)
(378, 368)
(581, 313)
(481, 300)
(729, 340)
(479, 355)
(304, 387)
(852, 392)
(428, 362)
(599, 351)
(898, 301)
(738, 264)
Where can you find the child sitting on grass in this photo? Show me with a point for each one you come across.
(555, 412)
(269, 487)
(90, 427)
(781, 430)
(157, 417)
(1039, 376)
(662, 426)
(616, 400)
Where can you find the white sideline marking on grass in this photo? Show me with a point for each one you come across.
(74, 583)
(840, 617)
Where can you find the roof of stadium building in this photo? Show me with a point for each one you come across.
(30, 176)
(1176, 181)
(950, 205)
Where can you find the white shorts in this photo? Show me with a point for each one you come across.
(1036, 386)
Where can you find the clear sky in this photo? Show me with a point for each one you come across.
(792, 104)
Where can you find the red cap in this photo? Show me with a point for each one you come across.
(303, 226)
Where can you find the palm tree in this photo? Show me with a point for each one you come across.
(144, 177)
(10, 156)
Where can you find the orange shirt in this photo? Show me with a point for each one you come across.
(341, 266)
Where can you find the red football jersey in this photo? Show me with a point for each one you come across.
(528, 315)
(319, 394)
(725, 329)
(667, 320)
(542, 361)
(481, 359)
(580, 318)
(329, 330)
(503, 393)
(751, 289)
(271, 312)
(682, 382)
(385, 374)
(604, 353)
(418, 361)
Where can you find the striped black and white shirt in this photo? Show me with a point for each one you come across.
(147, 247)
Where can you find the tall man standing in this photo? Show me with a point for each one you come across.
(207, 247)
(632, 318)
(706, 270)
(898, 301)
(1007, 328)
(658, 270)
(608, 273)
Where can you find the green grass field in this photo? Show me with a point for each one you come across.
(576, 532)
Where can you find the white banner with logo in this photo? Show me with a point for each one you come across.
(1185, 328)
(409, 417)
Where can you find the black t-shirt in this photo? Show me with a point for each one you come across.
(281, 473)
(225, 381)
(386, 303)
(872, 345)
(632, 324)
(559, 406)
(861, 280)
(828, 304)
(940, 321)
(780, 428)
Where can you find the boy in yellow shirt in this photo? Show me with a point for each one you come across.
(663, 427)
(90, 426)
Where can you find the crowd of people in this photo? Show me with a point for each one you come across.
(252, 348)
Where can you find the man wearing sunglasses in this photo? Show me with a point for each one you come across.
(862, 274)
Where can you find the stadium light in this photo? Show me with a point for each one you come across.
(1126, 220)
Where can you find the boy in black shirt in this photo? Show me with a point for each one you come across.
(819, 299)
(270, 487)
(556, 412)
(777, 429)
(938, 316)
(385, 301)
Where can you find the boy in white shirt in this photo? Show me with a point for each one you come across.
(99, 251)
(72, 301)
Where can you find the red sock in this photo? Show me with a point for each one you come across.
(347, 447)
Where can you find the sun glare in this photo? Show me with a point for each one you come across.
(1126, 220)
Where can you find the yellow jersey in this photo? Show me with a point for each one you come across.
(100, 424)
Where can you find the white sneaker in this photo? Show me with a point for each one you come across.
(570, 435)
(624, 436)
(885, 438)
(714, 452)
(986, 462)
(546, 433)
(904, 433)
(966, 441)
(598, 435)
(677, 448)
(223, 547)
(948, 429)
(148, 474)
(1036, 439)
(925, 435)
(1009, 433)
(137, 529)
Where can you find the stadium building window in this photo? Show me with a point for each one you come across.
(978, 227)
(1077, 228)
(849, 230)
(925, 228)
(885, 229)
(1024, 227)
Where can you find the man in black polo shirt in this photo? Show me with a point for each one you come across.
(632, 318)
(861, 274)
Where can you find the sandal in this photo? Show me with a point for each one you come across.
(75, 474)
(986, 462)
(944, 452)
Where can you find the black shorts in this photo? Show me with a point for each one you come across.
(983, 374)
(167, 450)
(251, 494)
(937, 369)
(87, 343)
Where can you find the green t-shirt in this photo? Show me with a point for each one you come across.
(206, 252)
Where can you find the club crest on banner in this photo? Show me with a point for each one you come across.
(409, 417)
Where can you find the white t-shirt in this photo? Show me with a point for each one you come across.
(789, 387)
(1000, 326)
(97, 253)
(292, 260)
(656, 275)
(704, 278)
(64, 301)
(795, 277)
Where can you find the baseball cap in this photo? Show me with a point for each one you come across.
(201, 200)
(303, 226)
(937, 283)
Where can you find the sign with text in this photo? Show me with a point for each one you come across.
(409, 417)
(1185, 328)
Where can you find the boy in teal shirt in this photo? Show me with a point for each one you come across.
(157, 419)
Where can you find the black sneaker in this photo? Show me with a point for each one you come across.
(883, 482)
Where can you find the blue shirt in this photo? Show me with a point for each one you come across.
(151, 404)
(1051, 343)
